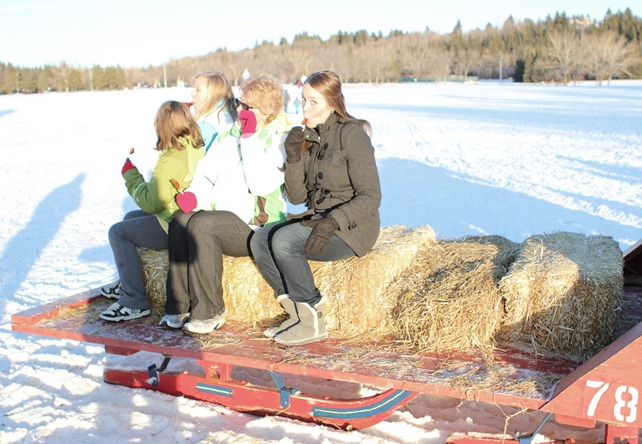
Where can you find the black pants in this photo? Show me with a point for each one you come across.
(197, 243)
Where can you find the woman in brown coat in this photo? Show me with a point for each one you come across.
(331, 168)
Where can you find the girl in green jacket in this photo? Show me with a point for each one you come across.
(180, 145)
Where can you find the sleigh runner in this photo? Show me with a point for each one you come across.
(603, 389)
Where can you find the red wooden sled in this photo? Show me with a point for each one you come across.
(604, 389)
(633, 260)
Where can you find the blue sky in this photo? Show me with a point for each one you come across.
(143, 32)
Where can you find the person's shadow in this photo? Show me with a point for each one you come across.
(23, 249)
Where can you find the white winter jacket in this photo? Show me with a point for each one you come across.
(236, 171)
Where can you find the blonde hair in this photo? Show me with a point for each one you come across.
(174, 121)
(265, 93)
(218, 88)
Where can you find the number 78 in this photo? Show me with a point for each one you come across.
(620, 403)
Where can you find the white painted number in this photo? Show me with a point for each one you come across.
(595, 384)
(628, 405)
(631, 404)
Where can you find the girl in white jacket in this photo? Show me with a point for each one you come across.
(237, 189)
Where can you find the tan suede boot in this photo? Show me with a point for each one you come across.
(288, 306)
(310, 328)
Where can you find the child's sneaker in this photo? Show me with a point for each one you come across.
(111, 291)
(117, 313)
(174, 321)
(206, 326)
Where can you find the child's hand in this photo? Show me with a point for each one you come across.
(127, 166)
(248, 123)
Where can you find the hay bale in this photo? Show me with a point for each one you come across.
(247, 296)
(448, 299)
(355, 288)
(358, 302)
(155, 264)
(563, 293)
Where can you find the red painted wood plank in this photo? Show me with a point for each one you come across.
(455, 374)
(605, 388)
(47, 311)
(633, 259)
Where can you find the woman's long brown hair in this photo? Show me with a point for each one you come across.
(328, 84)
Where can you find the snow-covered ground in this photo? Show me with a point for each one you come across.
(488, 158)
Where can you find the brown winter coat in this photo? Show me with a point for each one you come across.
(339, 174)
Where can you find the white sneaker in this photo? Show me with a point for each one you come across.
(111, 291)
(174, 321)
(117, 313)
(206, 326)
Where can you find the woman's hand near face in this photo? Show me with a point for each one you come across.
(294, 145)
(247, 120)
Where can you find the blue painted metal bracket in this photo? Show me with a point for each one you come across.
(529, 439)
(154, 372)
(283, 390)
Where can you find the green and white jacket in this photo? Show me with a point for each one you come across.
(244, 175)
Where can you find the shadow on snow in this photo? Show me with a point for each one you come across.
(23, 250)
(415, 194)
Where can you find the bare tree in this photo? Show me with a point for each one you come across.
(469, 58)
(438, 63)
(610, 56)
(297, 59)
(370, 63)
(565, 54)
(417, 52)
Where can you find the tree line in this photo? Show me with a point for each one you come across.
(559, 49)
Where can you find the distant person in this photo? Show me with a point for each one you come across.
(297, 104)
(331, 168)
(286, 101)
(180, 145)
(242, 191)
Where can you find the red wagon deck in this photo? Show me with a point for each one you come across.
(603, 389)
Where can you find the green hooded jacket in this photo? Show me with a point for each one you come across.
(158, 196)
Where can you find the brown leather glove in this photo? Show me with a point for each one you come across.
(294, 144)
(322, 231)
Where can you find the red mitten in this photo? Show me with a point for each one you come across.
(186, 201)
(248, 123)
(128, 166)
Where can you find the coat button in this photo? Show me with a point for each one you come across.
(320, 175)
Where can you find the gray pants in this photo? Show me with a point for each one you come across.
(197, 243)
(137, 229)
(279, 254)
